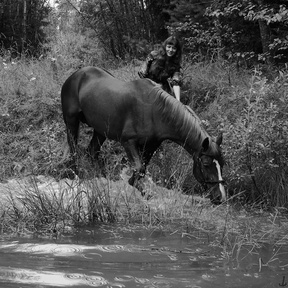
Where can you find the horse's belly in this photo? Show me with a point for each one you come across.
(111, 128)
(123, 129)
(117, 118)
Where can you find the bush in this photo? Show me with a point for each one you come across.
(30, 116)
(253, 119)
(256, 140)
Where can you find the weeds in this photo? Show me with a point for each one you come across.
(42, 207)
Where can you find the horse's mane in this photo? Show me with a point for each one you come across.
(175, 112)
(183, 118)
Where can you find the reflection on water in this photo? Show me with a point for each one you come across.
(161, 261)
(48, 278)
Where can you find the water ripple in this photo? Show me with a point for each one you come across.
(65, 249)
(45, 248)
(54, 279)
(124, 278)
(113, 248)
(142, 280)
(157, 281)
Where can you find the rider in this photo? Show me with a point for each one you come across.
(163, 66)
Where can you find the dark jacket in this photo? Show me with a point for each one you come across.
(159, 69)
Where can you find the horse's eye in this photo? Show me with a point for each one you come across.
(206, 160)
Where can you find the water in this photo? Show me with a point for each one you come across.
(110, 256)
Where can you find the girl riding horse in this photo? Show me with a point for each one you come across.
(163, 66)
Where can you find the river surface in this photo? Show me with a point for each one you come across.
(110, 256)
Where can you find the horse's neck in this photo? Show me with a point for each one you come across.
(195, 131)
(185, 126)
(192, 135)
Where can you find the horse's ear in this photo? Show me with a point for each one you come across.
(205, 144)
(219, 139)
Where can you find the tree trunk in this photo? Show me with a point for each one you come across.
(265, 36)
(24, 26)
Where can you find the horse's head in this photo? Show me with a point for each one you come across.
(207, 169)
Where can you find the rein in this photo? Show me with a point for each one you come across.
(215, 182)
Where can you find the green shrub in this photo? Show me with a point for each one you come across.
(30, 116)
(250, 108)
(253, 119)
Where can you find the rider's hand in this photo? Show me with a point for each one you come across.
(141, 74)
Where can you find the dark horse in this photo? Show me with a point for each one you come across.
(140, 115)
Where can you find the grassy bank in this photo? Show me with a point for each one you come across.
(40, 206)
(249, 107)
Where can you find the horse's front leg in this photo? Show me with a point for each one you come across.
(136, 179)
(139, 157)
(139, 169)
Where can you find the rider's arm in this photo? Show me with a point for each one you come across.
(176, 83)
(144, 70)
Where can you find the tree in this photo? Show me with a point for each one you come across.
(188, 20)
(262, 20)
(126, 27)
(21, 24)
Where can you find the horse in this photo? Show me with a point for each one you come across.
(140, 115)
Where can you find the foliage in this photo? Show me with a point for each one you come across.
(30, 112)
(189, 22)
(257, 27)
(256, 139)
(21, 25)
(251, 111)
(125, 27)
(244, 31)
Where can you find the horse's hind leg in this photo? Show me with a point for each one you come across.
(94, 149)
(72, 128)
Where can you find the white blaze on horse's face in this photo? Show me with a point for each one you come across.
(221, 186)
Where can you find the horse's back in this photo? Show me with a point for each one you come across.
(70, 89)
(92, 79)
(74, 82)
(85, 87)
(110, 106)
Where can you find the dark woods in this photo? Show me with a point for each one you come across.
(21, 25)
(128, 29)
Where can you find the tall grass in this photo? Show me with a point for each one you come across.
(39, 204)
